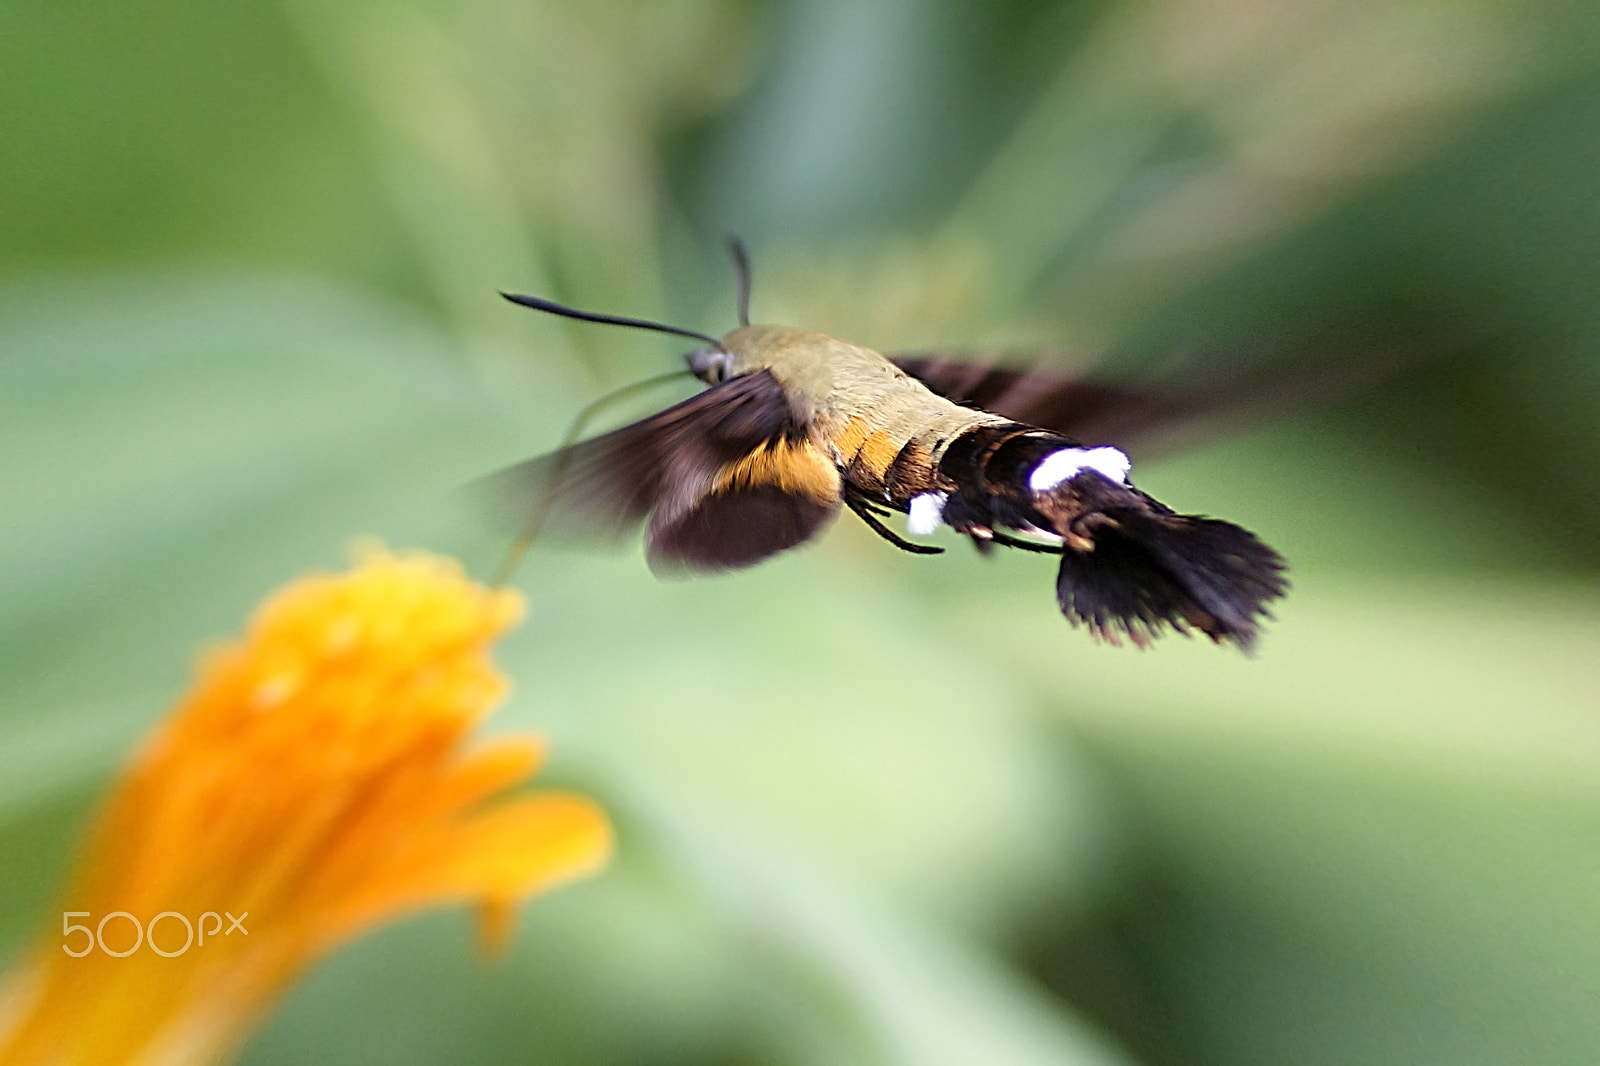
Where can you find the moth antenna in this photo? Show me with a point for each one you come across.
(538, 303)
(530, 532)
(741, 273)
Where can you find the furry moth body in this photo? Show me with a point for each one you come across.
(796, 425)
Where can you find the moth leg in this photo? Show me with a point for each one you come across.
(864, 511)
(1026, 545)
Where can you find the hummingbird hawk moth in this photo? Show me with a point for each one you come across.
(795, 425)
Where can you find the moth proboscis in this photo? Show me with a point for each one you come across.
(795, 425)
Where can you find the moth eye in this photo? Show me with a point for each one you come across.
(701, 362)
(708, 364)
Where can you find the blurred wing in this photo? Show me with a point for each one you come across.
(1162, 407)
(772, 499)
(673, 467)
(1068, 406)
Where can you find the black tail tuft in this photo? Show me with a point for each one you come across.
(1149, 570)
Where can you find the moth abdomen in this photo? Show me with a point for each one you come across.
(1130, 565)
(985, 475)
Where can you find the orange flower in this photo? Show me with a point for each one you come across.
(312, 785)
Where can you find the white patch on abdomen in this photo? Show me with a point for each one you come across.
(926, 512)
(1067, 463)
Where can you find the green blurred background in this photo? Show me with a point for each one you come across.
(873, 808)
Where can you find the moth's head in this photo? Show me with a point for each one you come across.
(746, 349)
